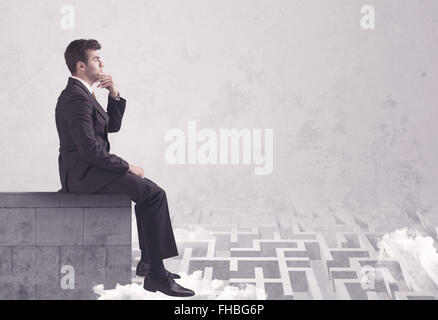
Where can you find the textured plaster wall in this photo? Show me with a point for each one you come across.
(353, 111)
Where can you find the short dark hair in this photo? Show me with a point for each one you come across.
(77, 51)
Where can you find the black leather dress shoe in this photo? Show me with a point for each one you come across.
(167, 286)
(143, 270)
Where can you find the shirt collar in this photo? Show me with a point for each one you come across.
(84, 83)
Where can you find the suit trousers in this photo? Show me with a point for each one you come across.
(155, 233)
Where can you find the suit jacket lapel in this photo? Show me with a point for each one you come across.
(98, 106)
(95, 102)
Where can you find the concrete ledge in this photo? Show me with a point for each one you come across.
(59, 245)
(56, 199)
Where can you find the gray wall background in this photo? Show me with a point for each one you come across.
(353, 111)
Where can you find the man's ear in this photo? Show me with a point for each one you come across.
(80, 66)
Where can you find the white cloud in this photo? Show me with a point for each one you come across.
(204, 289)
(131, 291)
(236, 293)
(417, 255)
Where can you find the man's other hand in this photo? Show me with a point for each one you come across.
(138, 171)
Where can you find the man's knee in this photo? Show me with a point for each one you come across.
(151, 193)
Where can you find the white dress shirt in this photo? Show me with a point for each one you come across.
(84, 83)
(91, 90)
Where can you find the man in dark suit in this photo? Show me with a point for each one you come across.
(86, 166)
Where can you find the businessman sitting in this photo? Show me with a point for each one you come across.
(87, 167)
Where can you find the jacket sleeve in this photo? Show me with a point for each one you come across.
(115, 110)
(79, 112)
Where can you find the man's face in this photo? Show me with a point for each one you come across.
(94, 65)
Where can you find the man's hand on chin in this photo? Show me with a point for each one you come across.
(106, 81)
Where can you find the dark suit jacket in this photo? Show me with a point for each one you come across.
(85, 164)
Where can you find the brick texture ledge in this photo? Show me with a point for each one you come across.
(56, 199)
(48, 236)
